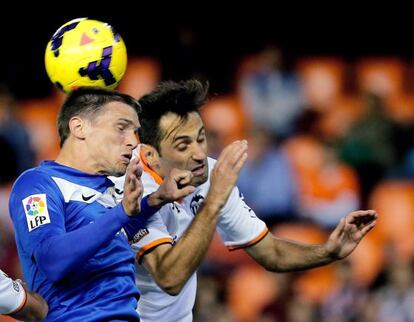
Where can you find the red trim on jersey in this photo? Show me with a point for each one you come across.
(250, 243)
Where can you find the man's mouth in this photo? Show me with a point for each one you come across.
(126, 158)
(198, 171)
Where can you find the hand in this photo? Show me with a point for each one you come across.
(174, 187)
(349, 232)
(133, 188)
(226, 171)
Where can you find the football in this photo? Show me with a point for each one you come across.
(85, 52)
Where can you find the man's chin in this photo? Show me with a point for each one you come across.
(119, 172)
(199, 180)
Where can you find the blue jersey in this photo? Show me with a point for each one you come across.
(71, 247)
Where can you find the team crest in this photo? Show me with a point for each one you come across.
(196, 203)
(35, 208)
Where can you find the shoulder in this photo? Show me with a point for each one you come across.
(35, 176)
(34, 182)
(39, 173)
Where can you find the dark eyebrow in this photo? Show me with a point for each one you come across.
(125, 120)
(186, 137)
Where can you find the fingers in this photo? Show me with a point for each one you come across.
(184, 192)
(339, 228)
(367, 228)
(182, 177)
(362, 218)
(362, 213)
(240, 163)
(233, 153)
(133, 188)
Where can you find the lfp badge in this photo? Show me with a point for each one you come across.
(35, 207)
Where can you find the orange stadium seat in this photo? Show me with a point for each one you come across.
(394, 202)
(337, 121)
(39, 117)
(225, 117)
(141, 76)
(401, 108)
(314, 284)
(322, 80)
(381, 76)
(367, 260)
(319, 176)
(250, 288)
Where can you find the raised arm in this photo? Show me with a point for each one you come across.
(171, 266)
(280, 255)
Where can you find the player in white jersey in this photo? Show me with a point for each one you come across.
(18, 303)
(170, 248)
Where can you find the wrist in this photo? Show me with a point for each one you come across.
(154, 201)
(212, 205)
(329, 253)
(147, 210)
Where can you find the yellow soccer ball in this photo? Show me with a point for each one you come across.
(85, 52)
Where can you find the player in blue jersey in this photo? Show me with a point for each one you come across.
(72, 235)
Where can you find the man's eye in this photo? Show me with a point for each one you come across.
(182, 147)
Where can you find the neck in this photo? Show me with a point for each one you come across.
(75, 157)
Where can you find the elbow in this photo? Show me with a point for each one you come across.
(273, 266)
(54, 275)
(171, 286)
(172, 290)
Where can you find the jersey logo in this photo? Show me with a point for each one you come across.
(16, 286)
(196, 203)
(139, 235)
(35, 208)
(86, 198)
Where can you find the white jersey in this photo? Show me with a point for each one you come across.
(238, 227)
(12, 295)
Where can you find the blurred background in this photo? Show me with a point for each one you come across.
(326, 101)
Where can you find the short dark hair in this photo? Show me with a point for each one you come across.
(87, 101)
(180, 98)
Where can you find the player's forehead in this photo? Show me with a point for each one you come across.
(173, 126)
(118, 112)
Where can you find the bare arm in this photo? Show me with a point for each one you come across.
(172, 266)
(35, 308)
(280, 255)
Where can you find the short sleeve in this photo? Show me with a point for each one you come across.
(238, 225)
(12, 295)
(155, 233)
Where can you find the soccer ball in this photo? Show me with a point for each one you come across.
(85, 52)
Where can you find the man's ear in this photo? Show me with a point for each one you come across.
(151, 156)
(77, 127)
